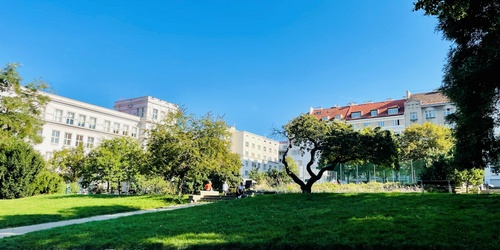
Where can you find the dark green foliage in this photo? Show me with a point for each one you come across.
(19, 166)
(472, 75)
(47, 182)
(441, 169)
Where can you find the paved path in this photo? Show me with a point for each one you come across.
(28, 229)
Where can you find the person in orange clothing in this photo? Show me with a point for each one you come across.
(208, 186)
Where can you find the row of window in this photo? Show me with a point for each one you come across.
(374, 112)
(269, 158)
(429, 114)
(92, 123)
(68, 139)
(264, 148)
(258, 165)
(142, 111)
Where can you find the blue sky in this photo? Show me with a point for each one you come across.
(257, 63)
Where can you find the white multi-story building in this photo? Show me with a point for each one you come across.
(255, 151)
(69, 123)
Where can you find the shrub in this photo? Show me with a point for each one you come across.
(47, 183)
(19, 166)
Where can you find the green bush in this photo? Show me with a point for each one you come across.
(47, 183)
(19, 166)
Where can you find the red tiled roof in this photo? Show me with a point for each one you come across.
(430, 97)
(365, 109)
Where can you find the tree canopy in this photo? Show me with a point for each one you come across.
(186, 147)
(69, 163)
(114, 160)
(425, 142)
(336, 142)
(21, 106)
(471, 75)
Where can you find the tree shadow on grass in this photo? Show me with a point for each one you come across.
(292, 221)
(9, 221)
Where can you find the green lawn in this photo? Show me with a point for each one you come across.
(48, 208)
(294, 221)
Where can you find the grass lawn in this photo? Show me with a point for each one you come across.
(48, 208)
(293, 221)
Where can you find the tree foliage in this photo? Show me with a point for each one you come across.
(336, 142)
(19, 166)
(69, 163)
(185, 148)
(114, 160)
(471, 75)
(425, 142)
(21, 106)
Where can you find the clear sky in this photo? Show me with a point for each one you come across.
(257, 63)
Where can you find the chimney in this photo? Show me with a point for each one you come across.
(310, 110)
(408, 95)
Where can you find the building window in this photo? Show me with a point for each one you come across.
(448, 112)
(246, 153)
(155, 114)
(90, 142)
(253, 145)
(356, 114)
(265, 149)
(429, 114)
(366, 124)
(125, 130)
(381, 123)
(374, 112)
(107, 126)
(325, 118)
(140, 112)
(134, 131)
(79, 140)
(67, 139)
(81, 121)
(92, 122)
(116, 128)
(246, 144)
(55, 137)
(395, 123)
(392, 111)
(70, 118)
(413, 116)
(58, 115)
(338, 117)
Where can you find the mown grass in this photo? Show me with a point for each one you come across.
(294, 221)
(49, 208)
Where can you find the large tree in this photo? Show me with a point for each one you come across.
(113, 161)
(21, 106)
(471, 75)
(425, 142)
(184, 147)
(334, 143)
(69, 163)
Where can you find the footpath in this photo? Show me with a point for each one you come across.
(28, 229)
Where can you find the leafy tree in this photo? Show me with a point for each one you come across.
(19, 166)
(336, 142)
(20, 106)
(471, 74)
(186, 148)
(113, 161)
(425, 142)
(469, 177)
(440, 169)
(69, 163)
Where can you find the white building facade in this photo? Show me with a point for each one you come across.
(255, 151)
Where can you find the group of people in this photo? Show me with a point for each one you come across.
(240, 190)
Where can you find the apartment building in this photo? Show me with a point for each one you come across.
(387, 115)
(69, 123)
(255, 151)
(430, 107)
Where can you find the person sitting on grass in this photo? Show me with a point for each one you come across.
(240, 191)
